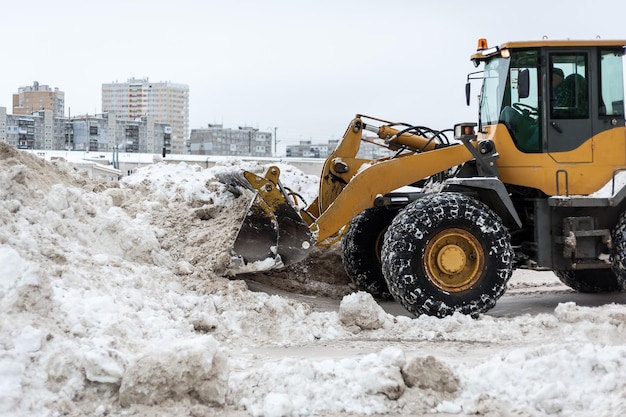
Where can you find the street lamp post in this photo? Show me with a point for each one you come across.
(250, 132)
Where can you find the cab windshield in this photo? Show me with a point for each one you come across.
(501, 102)
(494, 85)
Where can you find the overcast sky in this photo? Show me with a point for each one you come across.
(305, 67)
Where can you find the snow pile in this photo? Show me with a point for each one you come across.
(592, 380)
(359, 311)
(189, 368)
(116, 300)
(302, 387)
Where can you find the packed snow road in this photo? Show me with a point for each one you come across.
(529, 292)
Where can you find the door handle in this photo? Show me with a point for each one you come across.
(556, 127)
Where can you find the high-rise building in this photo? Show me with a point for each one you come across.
(165, 102)
(32, 99)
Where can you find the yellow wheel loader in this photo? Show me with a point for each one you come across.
(535, 183)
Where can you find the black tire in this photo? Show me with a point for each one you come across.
(618, 252)
(360, 250)
(447, 253)
(590, 280)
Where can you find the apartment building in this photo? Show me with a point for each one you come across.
(32, 99)
(3, 124)
(164, 102)
(40, 130)
(107, 132)
(103, 133)
(243, 141)
(308, 149)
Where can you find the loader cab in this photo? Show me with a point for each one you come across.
(552, 96)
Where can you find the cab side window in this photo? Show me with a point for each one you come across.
(611, 83)
(569, 92)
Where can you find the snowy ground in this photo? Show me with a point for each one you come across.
(117, 301)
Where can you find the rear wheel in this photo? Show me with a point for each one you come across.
(619, 252)
(447, 253)
(361, 247)
(590, 280)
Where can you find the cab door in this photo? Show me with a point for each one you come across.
(568, 121)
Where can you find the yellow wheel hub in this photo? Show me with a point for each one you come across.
(454, 260)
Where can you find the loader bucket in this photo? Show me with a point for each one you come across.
(272, 228)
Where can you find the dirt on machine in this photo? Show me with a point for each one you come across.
(441, 223)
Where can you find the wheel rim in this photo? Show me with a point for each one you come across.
(454, 260)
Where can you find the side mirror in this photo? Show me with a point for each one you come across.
(523, 83)
(468, 89)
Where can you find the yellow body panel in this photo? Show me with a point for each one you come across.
(588, 167)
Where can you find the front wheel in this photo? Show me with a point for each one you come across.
(447, 253)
